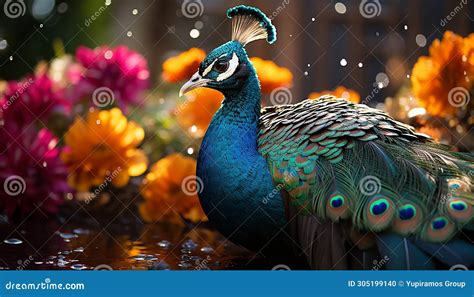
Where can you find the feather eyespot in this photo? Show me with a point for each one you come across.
(439, 223)
(407, 212)
(458, 205)
(379, 207)
(337, 201)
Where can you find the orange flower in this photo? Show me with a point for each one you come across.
(102, 149)
(182, 66)
(170, 191)
(196, 112)
(339, 92)
(448, 68)
(271, 75)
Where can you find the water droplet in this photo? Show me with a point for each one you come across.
(340, 8)
(164, 244)
(408, 75)
(108, 55)
(160, 265)
(194, 33)
(360, 65)
(193, 129)
(14, 241)
(405, 27)
(306, 73)
(129, 34)
(189, 245)
(45, 164)
(150, 258)
(62, 7)
(343, 62)
(97, 122)
(108, 2)
(67, 235)
(62, 263)
(309, 65)
(135, 11)
(190, 150)
(3, 44)
(313, 19)
(377, 33)
(41, 25)
(420, 40)
(11, 58)
(139, 257)
(79, 250)
(81, 231)
(78, 266)
(207, 249)
(382, 80)
(184, 264)
(199, 25)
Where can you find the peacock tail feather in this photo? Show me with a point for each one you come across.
(347, 162)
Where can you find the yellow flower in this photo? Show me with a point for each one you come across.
(103, 147)
(271, 75)
(196, 112)
(450, 65)
(182, 66)
(168, 191)
(339, 92)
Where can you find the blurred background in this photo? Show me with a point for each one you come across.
(80, 193)
(320, 42)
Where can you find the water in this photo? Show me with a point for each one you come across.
(13, 241)
(122, 245)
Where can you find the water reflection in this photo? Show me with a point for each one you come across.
(121, 246)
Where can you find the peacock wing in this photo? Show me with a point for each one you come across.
(350, 164)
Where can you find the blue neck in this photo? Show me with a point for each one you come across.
(239, 196)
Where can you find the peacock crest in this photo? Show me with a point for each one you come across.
(250, 24)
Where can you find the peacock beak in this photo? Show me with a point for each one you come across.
(194, 82)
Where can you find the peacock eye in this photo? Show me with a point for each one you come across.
(221, 66)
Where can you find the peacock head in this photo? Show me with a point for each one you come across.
(227, 67)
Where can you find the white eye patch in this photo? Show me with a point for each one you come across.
(209, 68)
(233, 63)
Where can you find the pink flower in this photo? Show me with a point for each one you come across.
(31, 172)
(31, 99)
(123, 71)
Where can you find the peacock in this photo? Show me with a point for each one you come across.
(340, 184)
